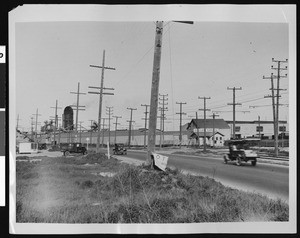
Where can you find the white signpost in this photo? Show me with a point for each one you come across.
(87, 143)
(108, 153)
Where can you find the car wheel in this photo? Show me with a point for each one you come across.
(238, 161)
(225, 159)
(67, 153)
(253, 162)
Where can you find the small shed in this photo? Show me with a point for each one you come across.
(219, 139)
(27, 148)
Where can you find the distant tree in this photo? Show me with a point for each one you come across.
(94, 126)
(48, 127)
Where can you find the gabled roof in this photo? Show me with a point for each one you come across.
(208, 134)
(210, 123)
(256, 122)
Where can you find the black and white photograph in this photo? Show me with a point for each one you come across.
(174, 119)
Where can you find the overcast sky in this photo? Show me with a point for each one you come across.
(202, 59)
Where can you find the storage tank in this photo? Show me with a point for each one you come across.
(67, 117)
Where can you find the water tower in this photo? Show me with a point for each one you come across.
(68, 123)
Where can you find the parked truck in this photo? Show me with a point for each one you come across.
(71, 148)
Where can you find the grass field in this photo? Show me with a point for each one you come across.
(93, 189)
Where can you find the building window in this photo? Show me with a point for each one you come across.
(216, 138)
(237, 129)
(282, 128)
(259, 128)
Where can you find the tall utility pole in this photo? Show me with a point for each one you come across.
(91, 134)
(130, 124)
(277, 99)
(116, 126)
(180, 127)
(146, 118)
(234, 104)
(56, 122)
(155, 89)
(204, 110)
(163, 99)
(101, 93)
(214, 116)
(36, 123)
(32, 123)
(273, 105)
(77, 104)
(109, 111)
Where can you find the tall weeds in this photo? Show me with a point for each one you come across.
(67, 191)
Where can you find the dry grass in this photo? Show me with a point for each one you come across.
(70, 190)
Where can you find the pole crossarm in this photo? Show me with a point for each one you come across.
(101, 67)
(101, 88)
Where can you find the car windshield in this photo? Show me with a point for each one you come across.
(240, 145)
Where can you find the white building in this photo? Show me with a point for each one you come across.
(217, 126)
(263, 129)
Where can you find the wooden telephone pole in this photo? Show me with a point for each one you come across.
(146, 118)
(101, 93)
(180, 126)
(91, 134)
(56, 121)
(155, 89)
(116, 126)
(77, 105)
(36, 123)
(130, 125)
(214, 116)
(277, 98)
(109, 111)
(234, 104)
(204, 109)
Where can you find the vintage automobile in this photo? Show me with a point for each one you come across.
(239, 152)
(78, 148)
(120, 149)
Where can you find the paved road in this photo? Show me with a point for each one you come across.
(272, 180)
